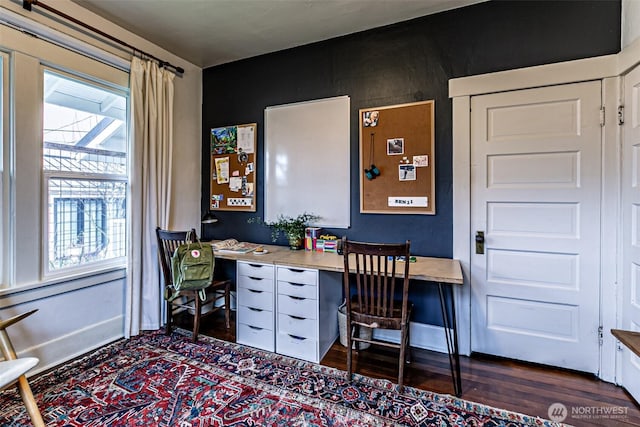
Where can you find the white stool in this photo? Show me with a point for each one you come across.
(13, 369)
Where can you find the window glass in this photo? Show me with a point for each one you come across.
(85, 169)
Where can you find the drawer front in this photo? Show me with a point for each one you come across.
(252, 269)
(297, 290)
(255, 337)
(255, 317)
(300, 307)
(300, 347)
(298, 326)
(255, 299)
(298, 275)
(255, 283)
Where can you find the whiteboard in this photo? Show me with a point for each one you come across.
(307, 161)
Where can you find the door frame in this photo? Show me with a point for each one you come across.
(607, 68)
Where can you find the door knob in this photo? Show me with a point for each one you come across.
(479, 242)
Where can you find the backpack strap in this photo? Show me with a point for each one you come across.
(192, 237)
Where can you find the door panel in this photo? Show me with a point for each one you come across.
(535, 180)
(631, 227)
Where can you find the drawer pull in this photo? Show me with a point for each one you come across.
(296, 317)
(255, 309)
(256, 265)
(255, 328)
(296, 298)
(255, 278)
(295, 337)
(296, 270)
(254, 291)
(296, 284)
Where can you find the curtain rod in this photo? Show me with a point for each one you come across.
(27, 4)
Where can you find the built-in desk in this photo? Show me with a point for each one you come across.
(441, 271)
(629, 338)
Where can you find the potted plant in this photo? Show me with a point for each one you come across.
(292, 228)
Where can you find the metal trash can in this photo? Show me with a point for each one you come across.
(365, 332)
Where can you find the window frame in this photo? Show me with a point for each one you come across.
(6, 272)
(21, 251)
(48, 273)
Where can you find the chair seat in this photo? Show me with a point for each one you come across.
(11, 370)
(387, 321)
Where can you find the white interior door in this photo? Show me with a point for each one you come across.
(535, 193)
(631, 227)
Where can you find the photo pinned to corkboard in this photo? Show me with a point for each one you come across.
(397, 161)
(233, 166)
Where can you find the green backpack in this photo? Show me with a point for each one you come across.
(192, 268)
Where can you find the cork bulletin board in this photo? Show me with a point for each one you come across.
(233, 168)
(397, 159)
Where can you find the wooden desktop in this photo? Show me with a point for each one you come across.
(429, 269)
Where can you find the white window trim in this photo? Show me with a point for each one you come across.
(22, 23)
(5, 173)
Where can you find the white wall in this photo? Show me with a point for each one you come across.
(630, 21)
(86, 312)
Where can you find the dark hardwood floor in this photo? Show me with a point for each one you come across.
(501, 383)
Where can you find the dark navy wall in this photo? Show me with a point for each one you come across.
(405, 62)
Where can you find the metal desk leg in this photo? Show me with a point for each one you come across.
(451, 334)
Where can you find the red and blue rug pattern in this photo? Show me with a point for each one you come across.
(155, 380)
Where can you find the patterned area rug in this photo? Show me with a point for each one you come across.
(155, 380)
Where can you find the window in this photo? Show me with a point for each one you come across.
(85, 172)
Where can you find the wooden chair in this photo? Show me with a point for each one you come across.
(168, 241)
(379, 297)
(13, 369)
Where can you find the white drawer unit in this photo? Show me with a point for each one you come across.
(255, 305)
(298, 275)
(254, 299)
(297, 326)
(306, 308)
(256, 283)
(257, 270)
(255, 336)
(297, 289)
(296, 346)
(306, 312)
(255, 316)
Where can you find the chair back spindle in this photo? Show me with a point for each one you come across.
(377, 275)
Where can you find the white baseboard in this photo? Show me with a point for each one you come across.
(74, 344)
(428, 337)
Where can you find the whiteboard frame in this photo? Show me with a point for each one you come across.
(308, 162)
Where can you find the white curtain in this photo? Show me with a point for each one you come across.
(150, 197)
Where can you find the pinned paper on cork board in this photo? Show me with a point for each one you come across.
(233, 164)
(397, 163)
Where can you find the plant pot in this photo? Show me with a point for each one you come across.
(295, 241)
